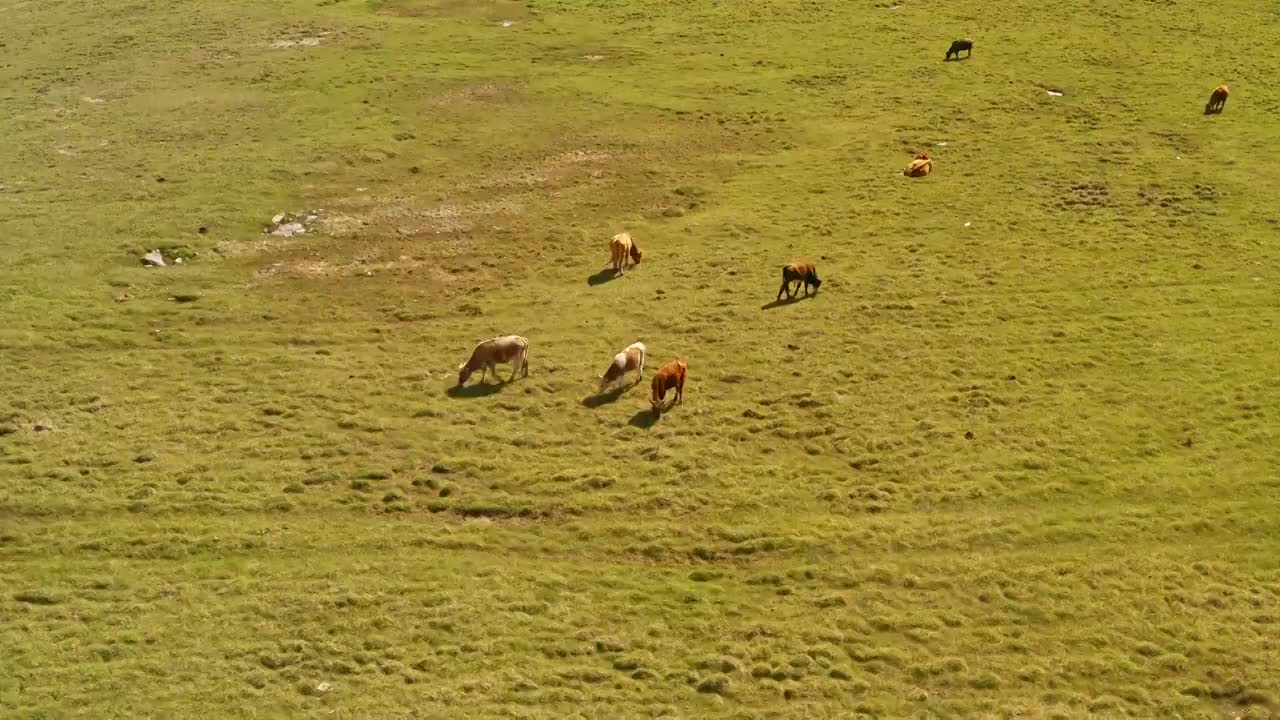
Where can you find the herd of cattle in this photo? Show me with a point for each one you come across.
(514, 349)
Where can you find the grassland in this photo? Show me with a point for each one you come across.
(1018, 459)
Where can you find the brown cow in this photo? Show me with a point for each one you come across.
(921, 166)
(624, 362)
(620, 247)
(670, 376)
(807, 274)
(504, 349)
(1217, 100)
(956, 46)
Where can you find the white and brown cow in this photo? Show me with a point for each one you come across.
(631, 359)
(487, 354)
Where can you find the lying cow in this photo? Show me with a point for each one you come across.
(505, 349)
(921, 166)
(806, 274)
(670, 376)
(1217, 100)
(624, 362)
(620, 247)
(956, 46)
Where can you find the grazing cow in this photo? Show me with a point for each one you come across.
(956, 46)
(670, 376)
(921, 166)
(504, 349)
(620, 247)
(807, 274)
(624, 362)
(1217, 100)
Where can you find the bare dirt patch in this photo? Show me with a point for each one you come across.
(399, 217)
(297, 41)
(472, 93)
(495, 11)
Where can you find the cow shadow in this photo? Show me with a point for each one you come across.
(786, 301)
(602, 277)
(645, 419)
(605, 398)
(474, 391)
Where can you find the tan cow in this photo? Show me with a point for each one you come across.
(620, 247)
(919, 167)
(624, 362)
(487, 354)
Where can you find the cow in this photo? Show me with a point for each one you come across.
(921, 166)
(624, 362)
(806, 274)
(620, 247)
(1217, 100)
(956, 46)
(669, 376)
(487, 354)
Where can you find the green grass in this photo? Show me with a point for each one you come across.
(1017, 459)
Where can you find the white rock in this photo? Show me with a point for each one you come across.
(277, 219)
(289, 230)
(153, 258)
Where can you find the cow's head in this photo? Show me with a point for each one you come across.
(635, 254)
(464, 373)
(813, 279)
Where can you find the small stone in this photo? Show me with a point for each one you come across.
(177, 261)
(324, 687)
(968, 434)
(153, 259)
(277, 219)
(42, 427)
(202, 230)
